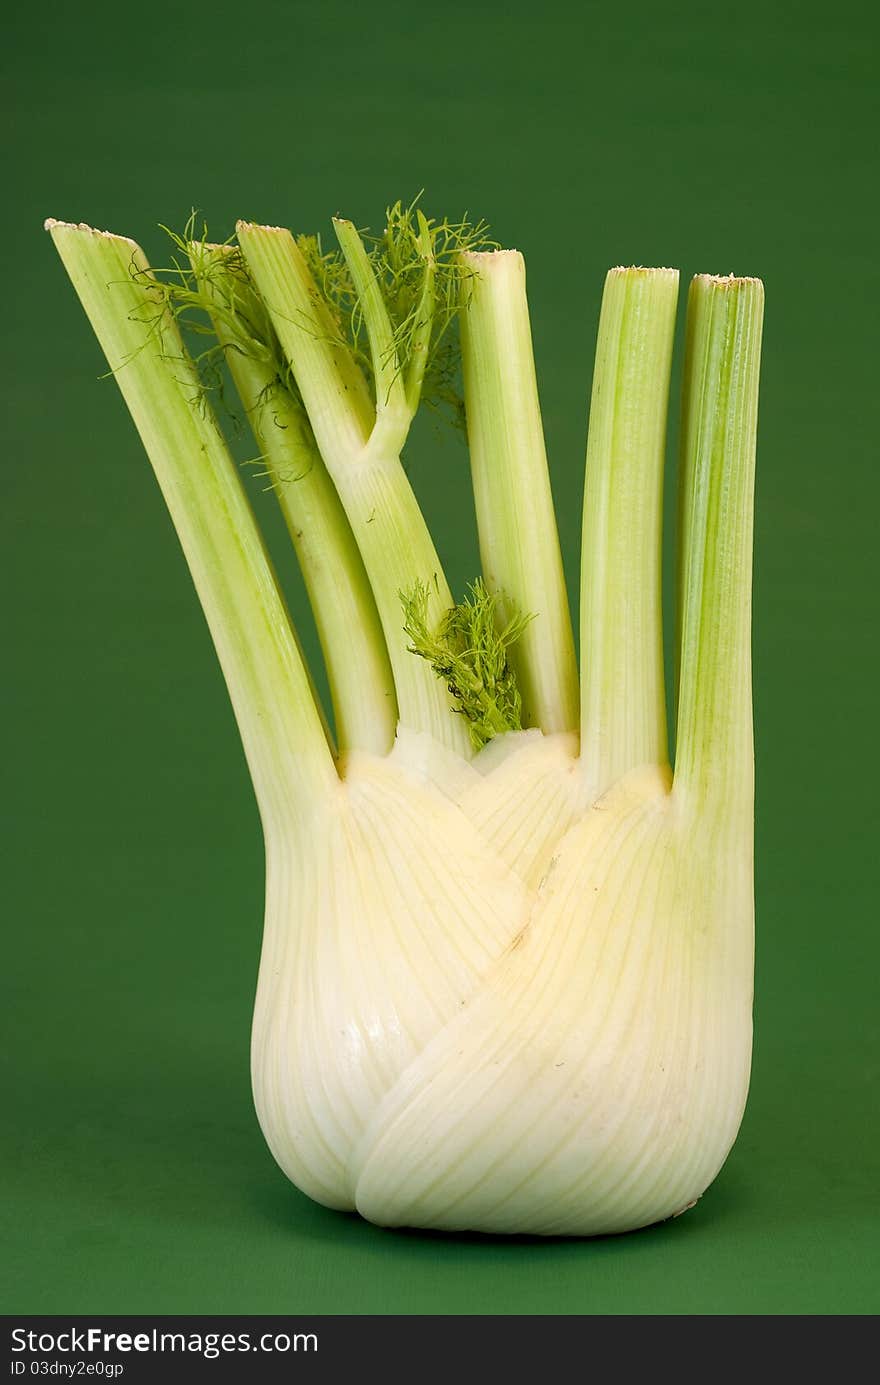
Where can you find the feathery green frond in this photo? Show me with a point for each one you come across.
(468, 651)
(417, 263)
(209, 290)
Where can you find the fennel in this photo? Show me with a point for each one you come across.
(506, 979)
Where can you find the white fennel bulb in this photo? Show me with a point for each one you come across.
(506, 980)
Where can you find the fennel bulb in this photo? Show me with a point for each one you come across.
(506, 979)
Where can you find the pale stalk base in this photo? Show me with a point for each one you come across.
(484, 1005)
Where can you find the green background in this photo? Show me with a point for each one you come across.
(135, 1176)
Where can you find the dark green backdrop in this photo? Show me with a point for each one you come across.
(693, 135)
